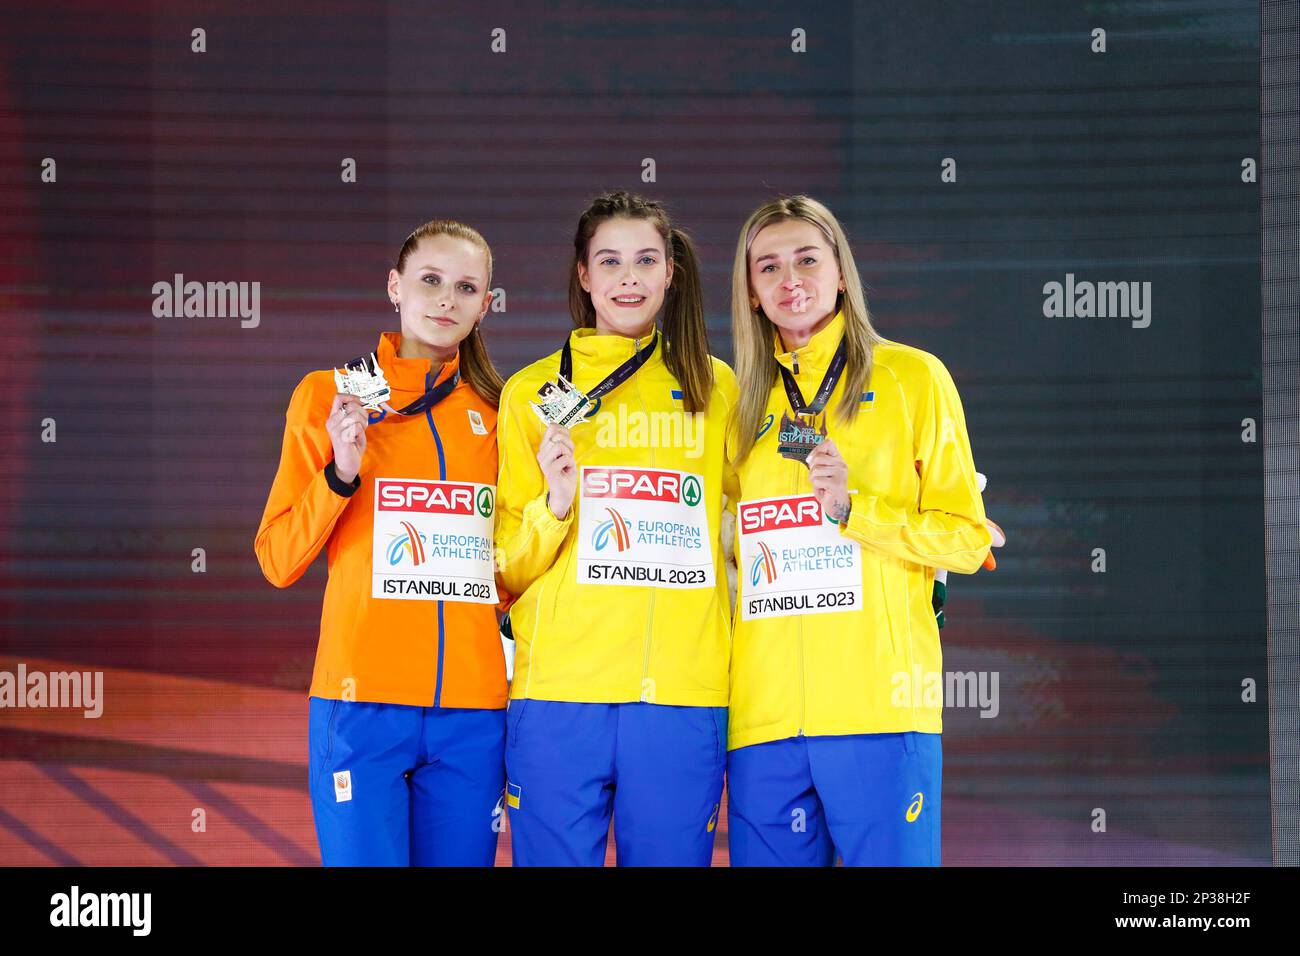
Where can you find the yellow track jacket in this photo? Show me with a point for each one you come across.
(625, 599)
(834, 630)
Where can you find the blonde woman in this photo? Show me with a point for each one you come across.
(856, 484)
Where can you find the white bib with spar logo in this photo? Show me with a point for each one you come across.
(433, 540)
(645, 526)
(793, 560)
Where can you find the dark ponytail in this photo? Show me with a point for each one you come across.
(686, 339)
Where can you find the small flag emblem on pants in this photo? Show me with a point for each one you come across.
(513, 793)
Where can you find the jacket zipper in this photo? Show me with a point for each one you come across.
(649, 618)
(442, 636)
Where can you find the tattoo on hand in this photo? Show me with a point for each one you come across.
(839, 513)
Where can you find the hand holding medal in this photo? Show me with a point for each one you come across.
(562, 406)
(346, 425)
(362, 388)
(555, 456)
(801, 440)
(829, 473)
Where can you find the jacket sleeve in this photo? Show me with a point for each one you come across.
(528, 536)
(945, 529)
(306, 498)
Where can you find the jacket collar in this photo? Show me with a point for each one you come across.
(603, 353)
(410, 374)
(819, 351)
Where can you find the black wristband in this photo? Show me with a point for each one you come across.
(337, 484)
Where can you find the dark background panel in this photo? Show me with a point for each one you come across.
(1118, 690)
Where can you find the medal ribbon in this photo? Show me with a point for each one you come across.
(615, 378)
(433, 396)
(829, 381)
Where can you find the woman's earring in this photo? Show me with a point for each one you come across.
(397, 307)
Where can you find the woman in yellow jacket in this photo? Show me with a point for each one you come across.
(856, 484)
(609, 533)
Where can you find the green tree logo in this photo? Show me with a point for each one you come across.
(691, 491)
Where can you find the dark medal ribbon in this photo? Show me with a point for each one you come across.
(829, 381)
(431, 397)
(615, 378)
(800, 435)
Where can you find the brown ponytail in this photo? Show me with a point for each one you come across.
(685, 337)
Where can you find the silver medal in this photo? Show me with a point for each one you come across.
(561, 403)
(364, 378)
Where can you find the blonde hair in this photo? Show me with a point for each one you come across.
(475, 364)
(756, 365)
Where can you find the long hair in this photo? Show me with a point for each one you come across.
(686, 341)
(475, 364)
(756, 365)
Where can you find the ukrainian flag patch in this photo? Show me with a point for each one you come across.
(868, 398)
(513, 793)
(676, 394)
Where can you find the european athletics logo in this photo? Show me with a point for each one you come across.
(764, 565)
(412, 543)
(617, 528)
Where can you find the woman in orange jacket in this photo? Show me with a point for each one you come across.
(391, 467)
